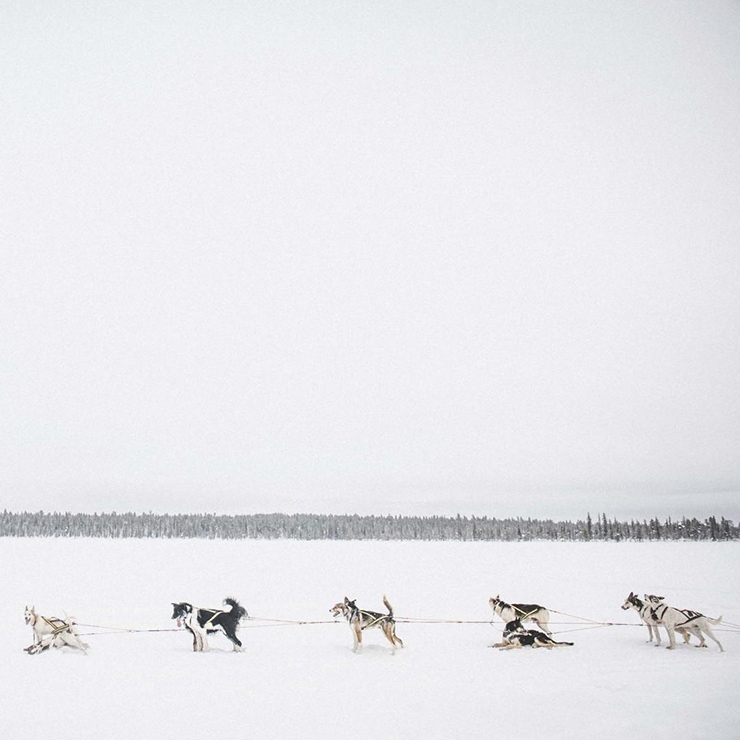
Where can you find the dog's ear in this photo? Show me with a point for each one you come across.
(346, 600)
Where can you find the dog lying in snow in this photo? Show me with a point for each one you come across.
(51, 632)
(201, 622)
(516, 636)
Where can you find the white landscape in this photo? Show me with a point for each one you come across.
(305, 682)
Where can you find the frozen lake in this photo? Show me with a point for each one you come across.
(304, 681)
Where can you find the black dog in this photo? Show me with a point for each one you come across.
(517, 636)
(200, 622)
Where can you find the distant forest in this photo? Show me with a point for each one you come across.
(355, 527)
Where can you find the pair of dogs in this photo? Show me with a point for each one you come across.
(516, 635)
(52, 632)
(55, 632)
(654, 612)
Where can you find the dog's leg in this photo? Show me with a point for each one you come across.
(671, 637)
(357, 635)
(83, 645)
(69, 639)
(543, 623)
(657, 634)
(709, 632)
(200, 640)
(195, 638)
(388, 632)
(231, 634)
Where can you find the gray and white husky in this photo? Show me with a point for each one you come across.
(51, 631)
(523, 612)
(682, 621)
(360, 619)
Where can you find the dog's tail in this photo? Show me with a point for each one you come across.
(563, 643)
(388, 606)
(714, 621)
(237, 610)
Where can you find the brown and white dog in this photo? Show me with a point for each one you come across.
(360, 619)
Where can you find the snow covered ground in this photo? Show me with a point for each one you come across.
(304, 681)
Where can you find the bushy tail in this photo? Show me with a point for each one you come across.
(714, 621)
(564, 643)
(237, 610)
(388, 606)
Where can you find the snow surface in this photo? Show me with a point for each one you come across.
(304, 681)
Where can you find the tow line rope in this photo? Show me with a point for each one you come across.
(274, 622)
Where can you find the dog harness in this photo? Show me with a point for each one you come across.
(690, 615)
(374, 617)
(215, 614)
(518, 611)
(57, 625)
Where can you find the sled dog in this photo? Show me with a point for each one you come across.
(51, 631)
(201, 622)
(359, 620)
(518, 636)
(523, 612)
(682, 620)
(645, 610)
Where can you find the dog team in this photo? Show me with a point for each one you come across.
(200, 622)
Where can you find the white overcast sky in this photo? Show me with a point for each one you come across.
(371, 256)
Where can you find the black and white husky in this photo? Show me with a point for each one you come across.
(645, 610)
(359, 620)
(682, 621)
(201, 622)
(523, 612)
(516, 636)
(51, 632)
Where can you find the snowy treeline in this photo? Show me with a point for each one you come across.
(355, 527)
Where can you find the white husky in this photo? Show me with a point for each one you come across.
(682, 620)
(51, 631)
